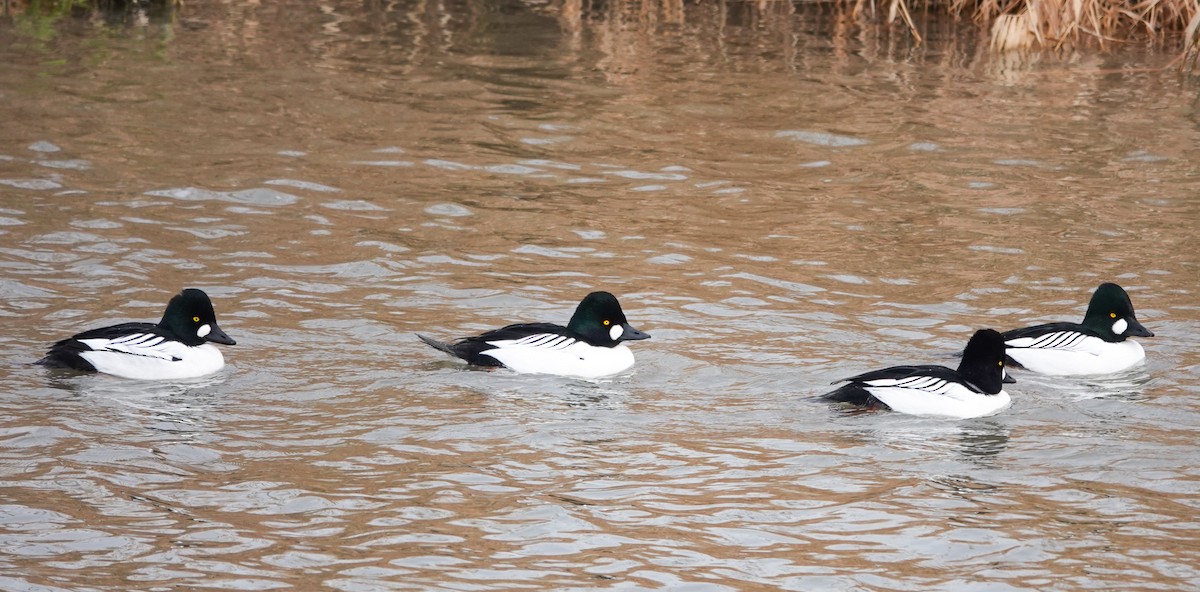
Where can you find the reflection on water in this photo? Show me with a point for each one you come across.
(165, 405)
(781, 197)
(1128, 385)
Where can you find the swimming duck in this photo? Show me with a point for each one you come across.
(1099, 345)
(975, 389)
(590, 346)
(179, 346)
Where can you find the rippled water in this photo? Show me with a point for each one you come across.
(780, 202)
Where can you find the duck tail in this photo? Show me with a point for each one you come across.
(854, 394)
(438, 345)
(65, 355)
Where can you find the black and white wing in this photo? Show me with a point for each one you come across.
(132, 339)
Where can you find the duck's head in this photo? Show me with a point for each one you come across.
(600, 321)
(1110, 313)
(983, 362)
(190, 317)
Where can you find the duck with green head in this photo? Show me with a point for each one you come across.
(1098, 345)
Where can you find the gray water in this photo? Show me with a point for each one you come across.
(779, 200)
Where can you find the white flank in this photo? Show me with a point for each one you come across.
(548, 353)
(925, 395)
(150, 357)
(1066, 353)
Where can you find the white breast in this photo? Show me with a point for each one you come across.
(555, 354)
(924, 395)
(1066, 353)
(150, 357)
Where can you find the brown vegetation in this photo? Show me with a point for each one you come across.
(1013, 24)
(1057, 23)
(1007, 25)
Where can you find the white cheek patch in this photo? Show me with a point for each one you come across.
(1120, 326)
(615, 332)
(203, 330)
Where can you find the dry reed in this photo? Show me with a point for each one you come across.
(1013, 24)
(1018, 24)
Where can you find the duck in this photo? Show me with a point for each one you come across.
(975, 389)
(1098, 345)
(178, 346)
(592, 345)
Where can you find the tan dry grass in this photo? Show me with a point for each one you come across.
(1058, 23)
(1018, 24)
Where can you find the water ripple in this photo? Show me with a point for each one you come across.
(471, 169)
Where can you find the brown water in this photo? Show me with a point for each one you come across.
(780, 200)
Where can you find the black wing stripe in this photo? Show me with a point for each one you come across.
(536, 340)
(1058, 340)
(1048, 340)
(147, 341)
(546, 340)
(1054, 340)
(1066, 340)
(1044, 340)
(931, 384)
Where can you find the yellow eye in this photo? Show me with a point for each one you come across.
(1112, 315)
(196, 319)
(606, 322)
(1000, 363)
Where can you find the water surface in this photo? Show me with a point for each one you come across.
(779, 202)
